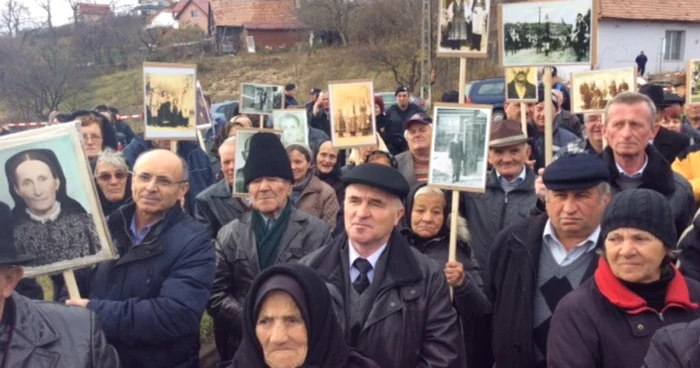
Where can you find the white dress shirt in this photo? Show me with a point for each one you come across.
(636, 175)
(353, 255)
(559, 252)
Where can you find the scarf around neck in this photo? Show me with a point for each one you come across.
(268, 239)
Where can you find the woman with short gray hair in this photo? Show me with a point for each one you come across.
(113, 181)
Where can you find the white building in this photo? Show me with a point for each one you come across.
(164, 18)
(667, 31)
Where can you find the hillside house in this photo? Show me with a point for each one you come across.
(92, 13)
(272, 24)
(668, 31)
(193, 13)
(164, 18)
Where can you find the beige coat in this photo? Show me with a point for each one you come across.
(319, 200)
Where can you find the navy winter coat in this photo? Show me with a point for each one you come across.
(150, 301)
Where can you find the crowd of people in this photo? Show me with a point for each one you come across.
(342, 259)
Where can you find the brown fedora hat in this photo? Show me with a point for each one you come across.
(506, 133)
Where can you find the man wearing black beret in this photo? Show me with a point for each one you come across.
(274, 232)
(400, 112)
(537, 261)
(392, 301)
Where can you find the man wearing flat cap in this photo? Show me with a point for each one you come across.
(537, 261)
(509, 191)
(274, 232)
(560, 137)
(400, 112)
(414, 164)
(38, 334)
(392, 302)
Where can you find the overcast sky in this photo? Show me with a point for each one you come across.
(61, 11)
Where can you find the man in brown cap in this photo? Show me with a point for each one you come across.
(509, 191)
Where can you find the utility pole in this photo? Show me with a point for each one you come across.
(426, 53)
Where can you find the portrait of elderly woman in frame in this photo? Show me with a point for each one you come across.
(48, 223)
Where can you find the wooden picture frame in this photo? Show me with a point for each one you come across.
(446, 46)
(243, 136)
(251, 96)
(170, 101)
(294, 125)
(353, 123)
(531, 90)
(692, 82)
(594, 101)
(473, 123)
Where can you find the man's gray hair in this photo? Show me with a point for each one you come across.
(631, 98)
(185, 169)
(112, 158)
(228, 142)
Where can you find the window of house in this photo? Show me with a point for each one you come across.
(194, 13)
(675, 41)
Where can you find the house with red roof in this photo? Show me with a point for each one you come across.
(271, 24)
(193, 13)
(92, 13)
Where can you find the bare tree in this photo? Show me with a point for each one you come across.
(12, 13)
(74, 7)
(46, 5)
(329, 15)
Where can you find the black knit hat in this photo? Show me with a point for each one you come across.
(641, 209)
(267, 158)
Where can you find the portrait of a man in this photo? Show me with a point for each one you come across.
(522, 83)
(293, 125)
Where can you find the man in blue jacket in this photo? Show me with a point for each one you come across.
(150, 301)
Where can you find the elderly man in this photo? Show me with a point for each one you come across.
(320, 114)
(537, 261)
(414, 164)
(399, 113)
(560, 137)
(215, 207)
(151, 299)
(274, 232)
(509, 190)
(392, 301)
(593, 143)
(37, 334)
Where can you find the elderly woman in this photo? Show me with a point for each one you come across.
(609, 320)
(98, 133)
(309, 193)
(113, 181)
(288, 321)
(425, 226)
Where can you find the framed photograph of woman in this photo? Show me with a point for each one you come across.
(463, 29)
(352, 114)
(55, 207)
(170, 101)
(293, 123)
(459, 156)
(243, 137)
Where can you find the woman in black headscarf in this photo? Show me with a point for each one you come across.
(289, 306)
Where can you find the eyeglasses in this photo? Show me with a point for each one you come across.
(161, 181)
(92, 137)
(119, 175)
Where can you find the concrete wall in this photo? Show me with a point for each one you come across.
(621, 41)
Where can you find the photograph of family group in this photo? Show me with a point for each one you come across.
(170, 101)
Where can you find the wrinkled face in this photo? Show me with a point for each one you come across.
(512, 110)
(628, 129)
(428, 215)
(594, 128)
(37, 186)
(370, 215)
(269, 194)
(327, 157)
(300, 165)
(539, 115)
(92, 139)
(402, 99)
(520, 74)
(420, 136)
(227, 154)
(157, 182)
(112, 181)
(509, 161)
(291, 132)
(634, 255)
(281, 331)
(576, 213)
(674, 125)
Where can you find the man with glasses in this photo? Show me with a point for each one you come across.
(593, 143)
(150, 301)
(274, 232)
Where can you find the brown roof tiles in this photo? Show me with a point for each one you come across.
(257, 14)
(651, 10)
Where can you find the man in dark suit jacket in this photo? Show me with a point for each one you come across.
(520, 88)
(669, 143)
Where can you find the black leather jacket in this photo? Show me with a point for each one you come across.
(52, 335)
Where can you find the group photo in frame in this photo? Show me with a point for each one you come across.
(294, 125)
(546, 33)
(591, 90)
(243, 137)
(261, 99)
(170, 101)
(692, 77)
(459, 156)
(463, 28)
(52, 198)
(353, 123)
(521, 83)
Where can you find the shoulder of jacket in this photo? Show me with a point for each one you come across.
(691, 153)
(682, 182)
(59, 311)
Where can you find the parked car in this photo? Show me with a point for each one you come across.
(488, 92)
(224, 110)
(390, 99)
